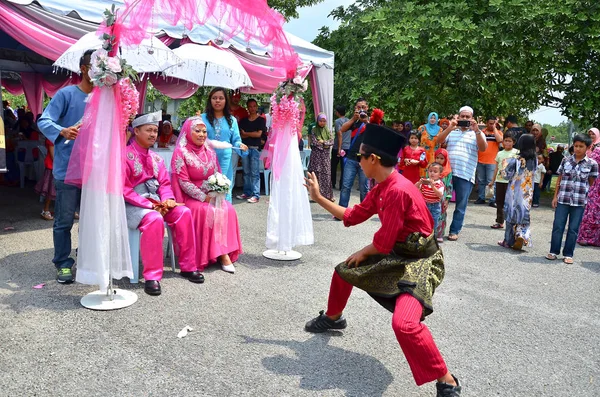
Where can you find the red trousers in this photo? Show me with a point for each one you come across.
(423, 356)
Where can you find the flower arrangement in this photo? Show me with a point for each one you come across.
(291, 88)
(130, 100)
(217, 183)
(107, 70)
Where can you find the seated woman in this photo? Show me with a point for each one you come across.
(215, 224)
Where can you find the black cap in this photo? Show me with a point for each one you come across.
(384, 139)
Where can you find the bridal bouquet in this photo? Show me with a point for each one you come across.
(217, 183)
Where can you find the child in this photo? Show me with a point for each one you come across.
(517, 204)
(433, 192)
(321, 141)
(414, 158)
(501, 184)
(575, 176)
(537, 180)
(441, 157)
(45, 186)
(401, 266)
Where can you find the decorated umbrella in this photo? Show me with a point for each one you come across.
(205, 65)
(151, 55)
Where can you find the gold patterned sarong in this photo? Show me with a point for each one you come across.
(415, 266)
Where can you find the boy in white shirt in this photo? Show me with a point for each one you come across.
(538, 179)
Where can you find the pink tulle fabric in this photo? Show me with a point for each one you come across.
(95, 124)
(286, 111)
(254, 19)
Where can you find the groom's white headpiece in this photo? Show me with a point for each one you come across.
(150, 118)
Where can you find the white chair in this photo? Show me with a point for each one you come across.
(134, 249)
(28, 159)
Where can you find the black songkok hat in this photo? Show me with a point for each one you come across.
(384, 139)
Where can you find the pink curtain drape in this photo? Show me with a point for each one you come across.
(32, 87)
(315, 90)
(35, 37)
(173, 88)
(142, 87)
(13, 87)
(52, 83)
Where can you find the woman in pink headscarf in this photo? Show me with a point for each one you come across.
(215, 220)
(589, 230)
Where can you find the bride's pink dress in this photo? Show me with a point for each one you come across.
(191, 166)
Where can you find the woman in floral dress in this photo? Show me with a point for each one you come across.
(321, 141)
(519, 194)
(589, 231)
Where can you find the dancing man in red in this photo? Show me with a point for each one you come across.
(403, 265)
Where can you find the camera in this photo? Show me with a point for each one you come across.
(464, 123)
(362, 114)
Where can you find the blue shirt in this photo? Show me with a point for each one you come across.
(463, 152)
(64, 111)
(224, 134)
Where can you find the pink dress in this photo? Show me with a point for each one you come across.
(191, 166)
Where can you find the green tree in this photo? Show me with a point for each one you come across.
(288, 8)
(411, 57)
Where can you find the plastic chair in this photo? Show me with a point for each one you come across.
(134, 249)
(28, 159)
(305, 157)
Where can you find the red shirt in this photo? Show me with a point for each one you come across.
(240, 113)
(48, 160)
(401, 209)
(428, 193)
(413, 172)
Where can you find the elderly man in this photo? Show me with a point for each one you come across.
(464, 140)
(149, 202)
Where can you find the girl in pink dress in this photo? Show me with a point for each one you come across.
(215, 221)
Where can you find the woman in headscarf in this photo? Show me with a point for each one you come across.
(217, 232)
(441, 157)
(321, 140)
(222, 126)
(589, 230)
(540, 142)
(429, 133)
(166, 137)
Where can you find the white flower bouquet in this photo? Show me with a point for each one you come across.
(217, 183)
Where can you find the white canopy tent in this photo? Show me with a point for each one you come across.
(76, 18)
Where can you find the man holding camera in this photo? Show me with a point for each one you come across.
(357, 125)
(464, 140)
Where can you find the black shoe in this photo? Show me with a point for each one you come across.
(324, 323)
(194, 277)
(479, 201)
(492, 204)
(446, 390)
(152, 287)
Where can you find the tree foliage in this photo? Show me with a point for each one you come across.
(288, 8)
(411, 57)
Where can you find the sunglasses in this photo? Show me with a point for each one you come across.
(360, 156)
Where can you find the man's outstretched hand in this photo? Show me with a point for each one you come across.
(312, 184)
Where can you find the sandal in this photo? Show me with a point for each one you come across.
(453, 237)
(568, 260)
(47, 215)
(503, 243)
(497, 226)
(551, 257)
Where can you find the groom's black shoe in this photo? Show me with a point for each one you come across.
(194, 277)
(152, 287)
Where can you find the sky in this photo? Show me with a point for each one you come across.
(313, 18)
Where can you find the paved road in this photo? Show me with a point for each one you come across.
(508, 323)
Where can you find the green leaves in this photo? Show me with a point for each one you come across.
(500, 56)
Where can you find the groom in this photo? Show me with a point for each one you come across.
(149, 202)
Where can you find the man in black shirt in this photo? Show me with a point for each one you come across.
(253, 129)
(513, 129)
(357, 125)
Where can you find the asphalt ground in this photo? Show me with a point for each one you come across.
(508, 323)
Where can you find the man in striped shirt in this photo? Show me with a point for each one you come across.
(464, 140)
